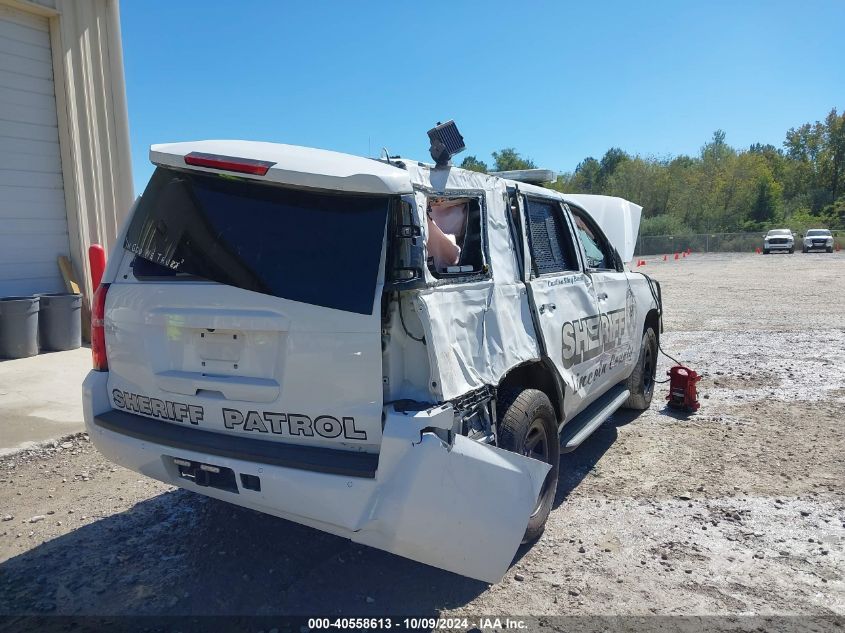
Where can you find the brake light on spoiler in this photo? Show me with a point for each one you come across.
(229, 163)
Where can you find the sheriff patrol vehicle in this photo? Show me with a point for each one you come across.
(387, 350)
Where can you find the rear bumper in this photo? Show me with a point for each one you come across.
(462, 506)
(333, 462)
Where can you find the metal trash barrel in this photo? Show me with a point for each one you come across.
(18, 327)
(60, 321)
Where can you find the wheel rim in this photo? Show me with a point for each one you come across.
(537, 447)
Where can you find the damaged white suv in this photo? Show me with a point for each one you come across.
(389, 351)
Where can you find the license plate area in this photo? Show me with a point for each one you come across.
(206, 475)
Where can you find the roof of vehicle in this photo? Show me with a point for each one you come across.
(780, 231)
(297, 166)
(324, 169)
(823, 230)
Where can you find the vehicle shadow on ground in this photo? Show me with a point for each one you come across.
(180, 553)
(575, 466)
(676, 414)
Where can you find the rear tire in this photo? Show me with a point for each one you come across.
(803, 250)
(791, 250)
(829, 249)
(641, 381)
(528, 426)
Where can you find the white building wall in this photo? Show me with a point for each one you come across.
(33, 217)
(91, 119)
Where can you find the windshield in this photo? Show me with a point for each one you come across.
(818, 233)
(780, 232)
(316, 248)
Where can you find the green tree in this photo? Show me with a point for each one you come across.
(473, 164)
(643, 180)
(609, 163)
(509, 159)
(723, 188)
(834, 138)
(586, 179)
(764, 207)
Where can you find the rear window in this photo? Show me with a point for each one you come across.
(316, 248)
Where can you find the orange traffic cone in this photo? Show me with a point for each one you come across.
(757, 250)
(684, 254)
(665, 258)
(676, 256)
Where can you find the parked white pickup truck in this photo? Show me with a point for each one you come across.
(386, 350)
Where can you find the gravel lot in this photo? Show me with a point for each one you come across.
(737, 510)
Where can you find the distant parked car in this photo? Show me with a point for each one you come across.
(779, 240)
(818, 239)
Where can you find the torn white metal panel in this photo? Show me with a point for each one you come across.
(476, 333)
(463, 508)
(617, 217)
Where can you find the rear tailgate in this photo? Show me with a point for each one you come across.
(249, 309)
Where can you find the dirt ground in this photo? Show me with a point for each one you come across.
(738, 509)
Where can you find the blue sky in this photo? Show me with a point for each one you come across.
(558, 81)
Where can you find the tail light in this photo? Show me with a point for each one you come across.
(229, 163)
(98, 329)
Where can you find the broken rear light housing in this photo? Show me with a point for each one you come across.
(229, 163)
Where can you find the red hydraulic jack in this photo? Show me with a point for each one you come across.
(682, 393)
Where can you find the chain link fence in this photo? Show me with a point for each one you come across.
(714, 242)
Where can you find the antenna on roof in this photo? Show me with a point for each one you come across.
(446, 141)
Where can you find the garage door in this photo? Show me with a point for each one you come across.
(33, 221)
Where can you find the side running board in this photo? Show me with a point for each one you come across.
(591, 418)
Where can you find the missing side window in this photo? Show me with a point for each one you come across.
(454, 244)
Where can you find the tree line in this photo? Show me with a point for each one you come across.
(721, 189)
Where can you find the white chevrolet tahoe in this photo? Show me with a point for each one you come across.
(386, 350)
